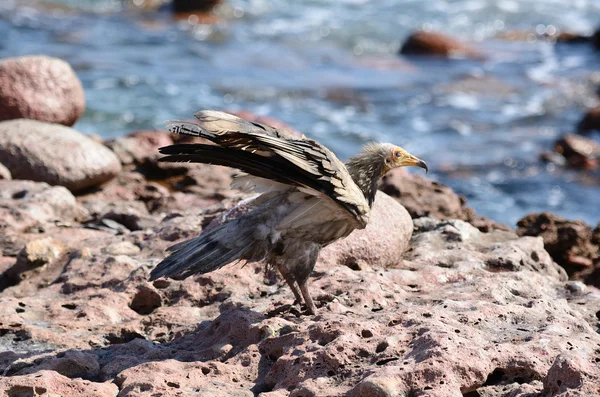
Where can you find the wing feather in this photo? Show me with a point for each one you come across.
(267, 152)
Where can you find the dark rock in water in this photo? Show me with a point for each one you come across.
(423, 197)
(438, 44)
(590, 121)
(40, 88)
(596, 39)
(571, 243)
(55, 154)
(194, 5)
(579, 151)
(570, 37)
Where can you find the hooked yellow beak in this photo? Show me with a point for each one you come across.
(413, 161)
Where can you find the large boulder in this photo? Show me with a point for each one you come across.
(55, 154)
(381, 244)
(40, 88)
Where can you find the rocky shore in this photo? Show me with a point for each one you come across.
(430, 300)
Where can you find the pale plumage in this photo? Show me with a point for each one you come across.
(309, 198)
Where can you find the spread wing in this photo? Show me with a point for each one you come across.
(269, 153)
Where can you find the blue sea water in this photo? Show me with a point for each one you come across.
(331, 70)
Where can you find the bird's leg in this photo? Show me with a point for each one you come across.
(310, 305)
(292, 283)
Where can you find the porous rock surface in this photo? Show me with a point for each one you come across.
(571, 243)
(456, 311)
(55, 154)
(40, 88)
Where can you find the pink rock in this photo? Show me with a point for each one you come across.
(71, 363)
(380, 244)
(38, 256)
(40, 88)
(25, 203)
(52, 383)
(573, 370)
(55, 154)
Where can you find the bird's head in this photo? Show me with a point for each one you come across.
(395, 157)
(376, 160)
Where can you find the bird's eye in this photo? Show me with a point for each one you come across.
(398, 154)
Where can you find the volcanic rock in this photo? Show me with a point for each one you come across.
(25, 204)
(570, 243)
(54, 154)
(47, 382)
(452, 311)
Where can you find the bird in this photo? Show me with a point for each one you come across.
(305, 197)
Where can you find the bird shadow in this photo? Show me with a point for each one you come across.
(235, 327)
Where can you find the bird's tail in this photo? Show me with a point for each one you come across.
(207, 252)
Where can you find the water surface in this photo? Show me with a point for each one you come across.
(330, 69)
